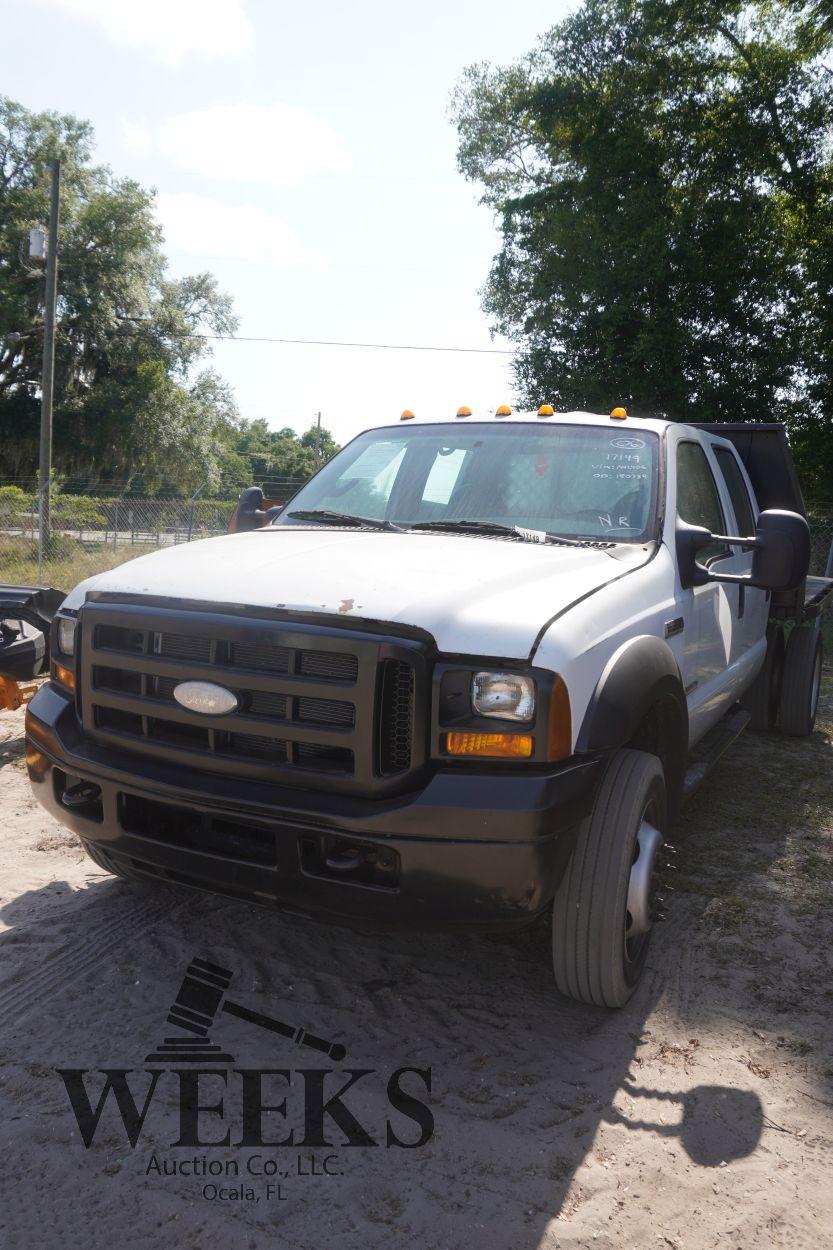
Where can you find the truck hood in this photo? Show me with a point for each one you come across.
(476, 596)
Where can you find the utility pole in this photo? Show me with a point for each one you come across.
(48, 376)
(318, 443)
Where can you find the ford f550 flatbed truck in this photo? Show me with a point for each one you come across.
(465, 676)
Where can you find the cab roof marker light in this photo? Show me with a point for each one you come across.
(464, 411)
(619, 414)
(503, 411)
(546, 410)
(407, 415)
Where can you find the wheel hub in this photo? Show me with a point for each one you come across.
(640, 883)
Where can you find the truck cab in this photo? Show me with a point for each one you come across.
(457, 680)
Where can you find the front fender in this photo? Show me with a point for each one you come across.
(639, 700)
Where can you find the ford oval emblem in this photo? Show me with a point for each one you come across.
(206, 698)
(628, 444)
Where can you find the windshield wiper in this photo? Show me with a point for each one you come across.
(474, 527)
(499, 531)
(343, 518)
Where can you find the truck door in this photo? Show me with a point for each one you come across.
(711, 610)
(751, 605)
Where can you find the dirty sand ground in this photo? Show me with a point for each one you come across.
(701, 1116)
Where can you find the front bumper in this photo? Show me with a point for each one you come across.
(469, 849)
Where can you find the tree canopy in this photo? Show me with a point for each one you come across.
(131, 395)
(663, 178)
(281, 456)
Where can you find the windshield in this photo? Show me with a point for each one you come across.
(579, 481)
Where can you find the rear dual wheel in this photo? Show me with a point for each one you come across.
(801, 681)
(786, 690)
(762, 698)
(604, 908)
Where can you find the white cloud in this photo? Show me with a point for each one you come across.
(200, 226)
(137, 138)
(274, 144)
(170, 29)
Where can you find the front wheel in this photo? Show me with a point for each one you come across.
(604, 908)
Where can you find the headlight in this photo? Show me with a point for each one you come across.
(66, 635)
(505, 696)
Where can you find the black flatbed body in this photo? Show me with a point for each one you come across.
(766, 455)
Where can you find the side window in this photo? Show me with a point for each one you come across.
(697, 499)
(738, 493)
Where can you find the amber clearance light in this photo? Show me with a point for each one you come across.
(64, 675)
(493, 746)
(560, 736)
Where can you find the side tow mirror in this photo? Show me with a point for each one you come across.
(780, 546)
(691, 539)
(250, 513)
(781, 555)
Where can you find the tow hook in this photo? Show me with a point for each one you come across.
(81, 795)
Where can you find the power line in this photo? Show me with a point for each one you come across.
(390, 347)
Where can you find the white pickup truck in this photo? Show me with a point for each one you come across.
(464, 677)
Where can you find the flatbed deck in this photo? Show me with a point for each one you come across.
(817, 593)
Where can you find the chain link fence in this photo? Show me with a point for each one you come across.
(91, 533)
(821, 559)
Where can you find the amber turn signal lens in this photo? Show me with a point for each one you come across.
(464, 411)
(492, 746)
(407, 415)
(64, 675)
(36, 762)
(619, 414)
(503, 411)
(546, 410)
(560, 736)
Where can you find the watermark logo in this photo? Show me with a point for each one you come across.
(201, 997)
(287, 1110)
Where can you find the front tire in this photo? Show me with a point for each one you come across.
(801, 681)
(598, 956)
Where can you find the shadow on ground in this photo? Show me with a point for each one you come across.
(522, 1082)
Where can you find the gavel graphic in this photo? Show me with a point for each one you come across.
(201, 996)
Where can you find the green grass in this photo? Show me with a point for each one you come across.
(70, 563)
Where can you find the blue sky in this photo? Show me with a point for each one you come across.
(302, 153)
